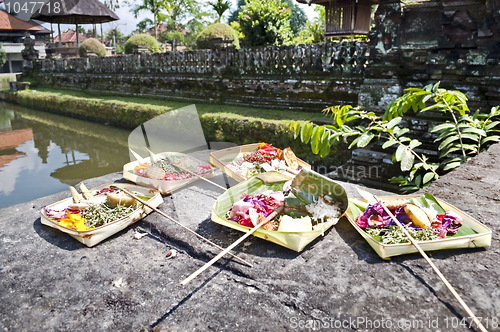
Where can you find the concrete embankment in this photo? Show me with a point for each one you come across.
(50, 281)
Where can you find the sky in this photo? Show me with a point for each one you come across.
(128, 22)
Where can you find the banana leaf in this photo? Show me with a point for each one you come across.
(472, 234)
(294, 206)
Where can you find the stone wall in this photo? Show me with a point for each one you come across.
(308, 77)
(455, 42)
(411, 44)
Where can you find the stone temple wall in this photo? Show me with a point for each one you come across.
(454, 42)
(308, 77)
(412, 43)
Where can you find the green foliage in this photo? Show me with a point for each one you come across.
(92, 44)
(298, 18)
(141, 39)
(220, 7)
(3, 56)
(218, 30)
(175, 13)
(120, 114)
(116, 36)
(233, 17)
(459, 138)
(312, 34)
(265, 23)
(155, 7)
(169, 36)
(244, 130)
(237, 29)
(217, 123)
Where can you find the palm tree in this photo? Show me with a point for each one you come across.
(220, 7)
(154, 7)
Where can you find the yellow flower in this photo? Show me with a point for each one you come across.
(74, 221)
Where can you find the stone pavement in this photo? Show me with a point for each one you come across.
(51, 282)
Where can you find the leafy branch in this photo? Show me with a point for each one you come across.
(466, 134)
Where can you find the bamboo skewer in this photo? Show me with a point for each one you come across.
(153, 156)
(429, 261)
(186, 228)
(235, 243)
(197, 175)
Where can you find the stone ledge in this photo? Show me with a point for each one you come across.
(52, 282)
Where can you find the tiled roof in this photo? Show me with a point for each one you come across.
(70, 37)
(9, 22)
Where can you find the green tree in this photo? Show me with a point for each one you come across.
(298, 18)
(182, 13)
(144, 26)
(155, 7)
(220, 7)
(233, 17)
(116, 36)
(112, 4)
(314, 30)
(3, 56)
(265, 23)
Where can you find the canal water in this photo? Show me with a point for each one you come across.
(43, 153)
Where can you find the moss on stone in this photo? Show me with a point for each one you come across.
(219, 30)
(141, 39)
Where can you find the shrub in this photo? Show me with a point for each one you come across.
(265, 23)
(218, 30)
(141, 39)
(92, 44)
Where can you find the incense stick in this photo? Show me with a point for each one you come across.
(433, 266)
(178, 223)
(235, 243)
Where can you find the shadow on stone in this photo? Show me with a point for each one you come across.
(356, 242)
(186, 298)
(254, 246)
(56, 237)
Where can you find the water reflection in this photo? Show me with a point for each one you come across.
(42, 153)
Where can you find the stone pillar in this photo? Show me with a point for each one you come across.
(382, 84)
(29, 53)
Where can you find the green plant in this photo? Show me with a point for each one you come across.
(219, 30)
(3, 56)
(92, 44)
(463, 133)
(170, 36)
(265, 23)
(141, 39)
(220, 7)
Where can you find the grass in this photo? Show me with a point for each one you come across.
(203, 108)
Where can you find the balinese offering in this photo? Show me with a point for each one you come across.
(432, 222)
(305, 216)
(166, 171)
(96, 214)
(243, 162)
